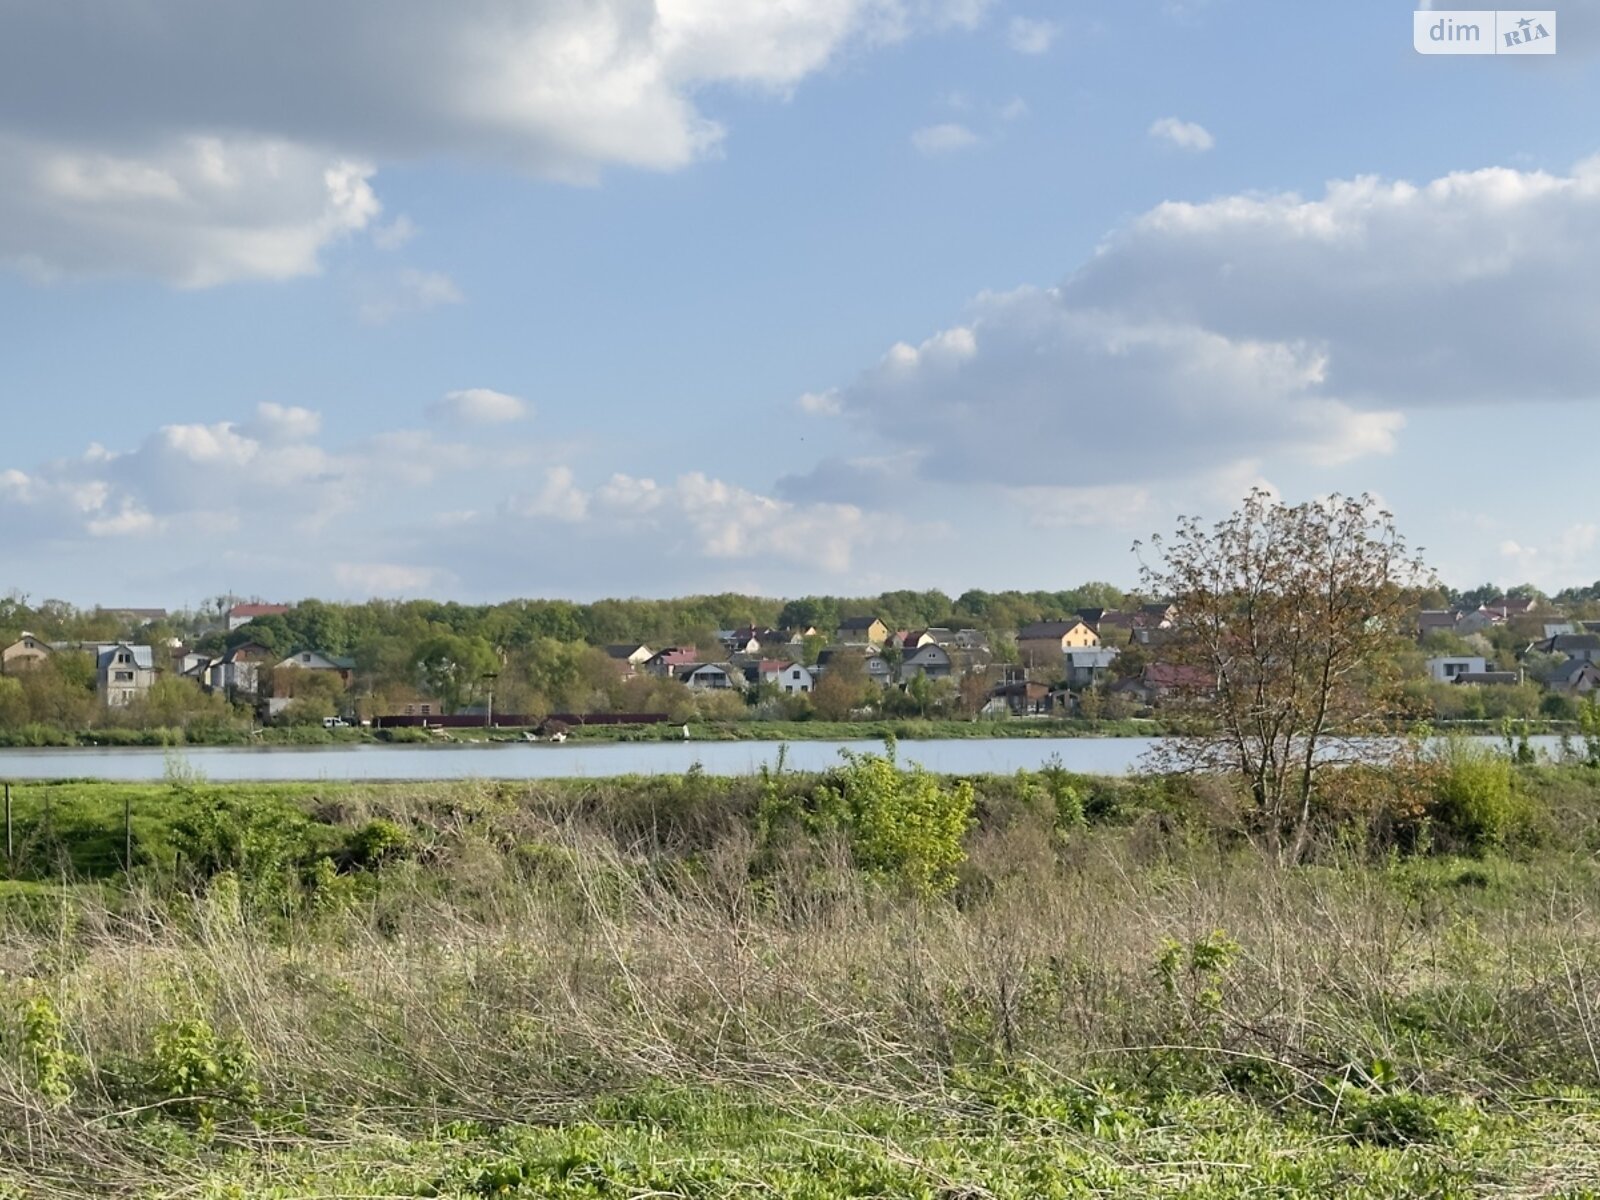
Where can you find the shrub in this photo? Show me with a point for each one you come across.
(905, 824)
(380, 841)
(1473, 801)
(202, 1075)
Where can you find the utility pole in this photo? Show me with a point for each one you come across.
(488, 720)
(10, 856)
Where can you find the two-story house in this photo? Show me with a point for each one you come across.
(1044, 644)
(123, 673)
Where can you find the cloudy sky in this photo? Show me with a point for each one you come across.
(587, 297)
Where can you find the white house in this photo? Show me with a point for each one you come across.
(712, 676)
(1445, 668)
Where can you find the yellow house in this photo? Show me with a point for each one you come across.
(1045, 643)
(863, 631)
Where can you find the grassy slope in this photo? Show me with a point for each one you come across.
(620, 988)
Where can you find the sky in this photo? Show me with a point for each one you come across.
(579, 298)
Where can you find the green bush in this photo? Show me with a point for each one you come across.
(1473, 803)
(201, 1076)
(905, 825)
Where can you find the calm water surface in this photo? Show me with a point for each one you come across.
(1103, 756)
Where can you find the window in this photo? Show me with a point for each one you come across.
(124, 677)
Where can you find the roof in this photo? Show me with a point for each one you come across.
(336, 661)
(258, 610)
(624, 650)
(143, 656)
(677, 656)
(1042, 630)
(1099, 656)
(1511, 604)
(1569, 643)
(1437, 618)
(247, 651)
(1570, 669)
(859, 622)
(1174, 676)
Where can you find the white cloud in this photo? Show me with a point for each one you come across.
(406, 292)
(365, 580)
(560, 499)
(195, 211)
(820, 404)
(395, 234)
(278, 423)
(1186, 135)
(1569, 553)
(943, 139)
(210, 143)
(1014, 109)
(1029, 35)
(1251, 333)
(479, 406)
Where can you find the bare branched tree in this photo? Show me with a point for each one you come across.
(1282, 646)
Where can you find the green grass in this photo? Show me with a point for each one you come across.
(686, 987)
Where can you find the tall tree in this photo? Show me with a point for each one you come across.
(1288, 620)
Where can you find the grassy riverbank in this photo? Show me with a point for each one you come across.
(707, 987)
(903, 729)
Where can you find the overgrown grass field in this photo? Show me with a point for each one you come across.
(869, 983)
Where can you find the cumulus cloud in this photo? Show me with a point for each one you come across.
(479, 406)
(935, 140)
(1255, 330)
(1029, 35)
(1186, 135)
(195, 211)
(206, 143)
(267, 504)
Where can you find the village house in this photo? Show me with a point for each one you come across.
(1436, 620)
(315, 660)
(1019, 699)
(238, 673)
(1044, 644)
(712, 676)
(1575, 677)
(1583, 646)
(1162, 681)
(863, 631)
(1445, 668)
(1085, 668)
(930, 660)
(635, 654)
(24, 654)
(873, 662)
(791, 678)
(123, 673)
(672, 662)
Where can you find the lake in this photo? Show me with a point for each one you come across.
(592, 760)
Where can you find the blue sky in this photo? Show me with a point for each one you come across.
(587, 297)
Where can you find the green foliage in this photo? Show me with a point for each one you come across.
(380, 841)
(908, 826)
(49, 1065)
(1473, 803)
(200, 1076)
(1194, 973)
